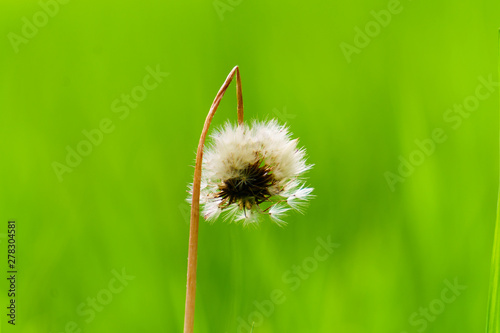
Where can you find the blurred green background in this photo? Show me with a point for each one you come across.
(67, 69)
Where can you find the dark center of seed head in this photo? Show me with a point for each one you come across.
(249, 188)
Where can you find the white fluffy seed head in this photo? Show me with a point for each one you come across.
(250, 171)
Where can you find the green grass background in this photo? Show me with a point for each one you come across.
(123, 206)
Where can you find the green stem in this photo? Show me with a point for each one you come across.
(493, 316)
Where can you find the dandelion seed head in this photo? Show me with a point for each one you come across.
(252, 171)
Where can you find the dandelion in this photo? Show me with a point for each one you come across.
(252, 171)
(247, 172)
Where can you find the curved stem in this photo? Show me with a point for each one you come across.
(195, 205)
